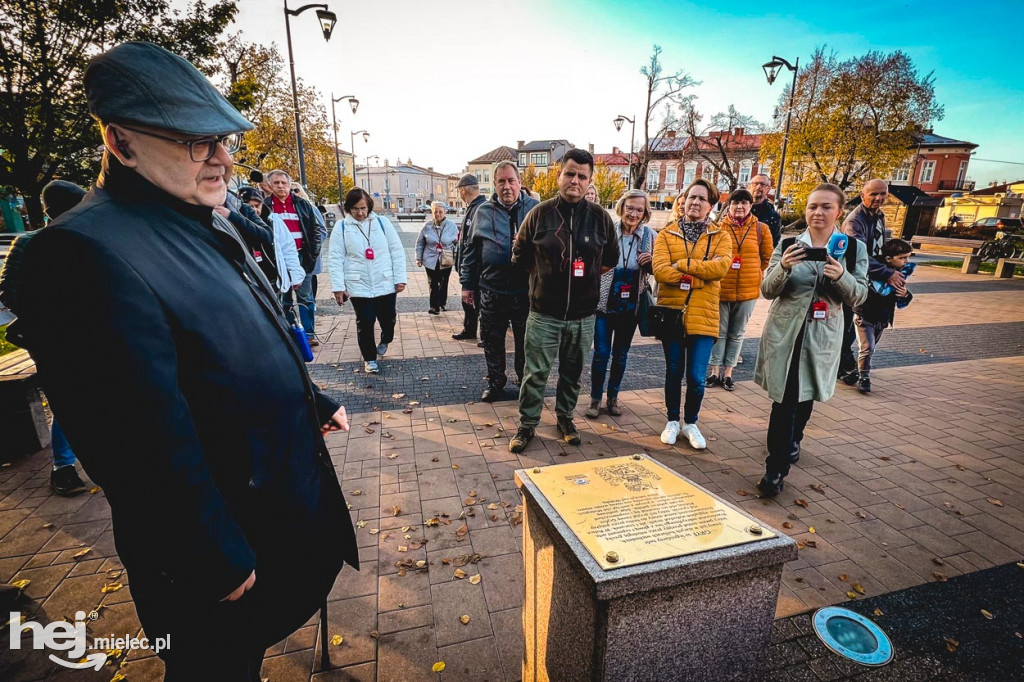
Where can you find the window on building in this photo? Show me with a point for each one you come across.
(689, 174)
(539, 159)
(902, 174)
(487, 176)
(671, 177)
(927, 172)
(522, 159)
(707, 172)
(744, 177)
(961, 174)
(652, 179)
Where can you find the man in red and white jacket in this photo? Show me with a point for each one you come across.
(298, 216)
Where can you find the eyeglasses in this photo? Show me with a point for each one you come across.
(761, 184)
(633, 211)
(202, 149)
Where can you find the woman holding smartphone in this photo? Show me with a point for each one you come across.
(800, 343)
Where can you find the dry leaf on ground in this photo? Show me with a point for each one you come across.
(437, 667)
(951, 644)
(987, 614)
(460, 574)
(475, 579)
(787, 525)
(464, 620)
(939, 577)
(800, 501)
(337, 640)
(998, 503)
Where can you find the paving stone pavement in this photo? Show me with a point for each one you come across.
(928, 468)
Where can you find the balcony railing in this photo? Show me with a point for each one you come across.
(956, 185)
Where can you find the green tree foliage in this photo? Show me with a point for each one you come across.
(852, 120)
(45, 45)
(608, 183)
(257, 82)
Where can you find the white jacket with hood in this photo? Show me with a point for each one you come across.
(286, 256)
(352, 271)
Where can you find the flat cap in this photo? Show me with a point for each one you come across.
(468, 180)
(59, 196)
(144, 84)
(249, 193)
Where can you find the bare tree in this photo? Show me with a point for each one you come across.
(716, 141)
(667, 90)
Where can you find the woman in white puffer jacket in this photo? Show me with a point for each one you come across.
(367, 265)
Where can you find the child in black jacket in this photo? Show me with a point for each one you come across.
(873, 316)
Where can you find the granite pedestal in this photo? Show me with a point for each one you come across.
(703, 616)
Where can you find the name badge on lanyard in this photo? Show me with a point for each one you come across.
(625, 290)
(369, 254)
(257, 255)
(686, 283)
(578, 268)
(736, 262)
(819, 310)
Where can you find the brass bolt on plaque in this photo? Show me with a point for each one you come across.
(755, 529)
(536, 470)
(612, 557)
(638, 457)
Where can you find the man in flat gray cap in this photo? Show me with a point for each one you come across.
(469, 193)
(201, 423)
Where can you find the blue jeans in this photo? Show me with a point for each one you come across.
(693, 351)
(62, 455)
(304, 296)
(622, 326)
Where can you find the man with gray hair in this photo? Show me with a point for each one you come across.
(201, 424)
(301, 219)
(762, 209)
(504, 288)
(469, 192)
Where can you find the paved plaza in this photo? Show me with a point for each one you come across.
(919, 482)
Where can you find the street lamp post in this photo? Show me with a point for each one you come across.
(771, 70)
(368, 171)
(327, 20)
(618, 126)
(352, 143)
(387, 186)
(354, 103)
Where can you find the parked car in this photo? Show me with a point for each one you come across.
(988, 228)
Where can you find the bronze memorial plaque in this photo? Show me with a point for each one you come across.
(633, 510)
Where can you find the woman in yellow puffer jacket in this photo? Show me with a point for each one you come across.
(751, 250)
(689, 262)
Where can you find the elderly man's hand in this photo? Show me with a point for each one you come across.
(242, 589)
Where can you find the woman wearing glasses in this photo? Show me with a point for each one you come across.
(435, 252)
(621, 289)
(691, 256)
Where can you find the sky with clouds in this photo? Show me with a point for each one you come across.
(444, 81)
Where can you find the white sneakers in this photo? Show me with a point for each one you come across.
(370, 367)
(668, 436)
(695, 437)
(692, 433)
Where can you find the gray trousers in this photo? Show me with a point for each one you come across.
(733, 317)
(868, 336)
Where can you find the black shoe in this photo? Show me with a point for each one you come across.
(65, 481)
(728, 384)
(492, 393)
(569, 432)
(713, 380)
(850, 378)
(520, 440)
(463, 336)
(433, 311)
(864, 384)
(480, 344)
(770, 485)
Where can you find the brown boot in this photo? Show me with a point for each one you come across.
(594, 411)
(613, 407)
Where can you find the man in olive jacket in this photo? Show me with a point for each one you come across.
(199, 421)
(565, 244)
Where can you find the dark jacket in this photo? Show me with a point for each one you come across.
(878, 308)
(199, 420)
(309, 222)
(258, 236)
(861, 224)
(767, 214)
(487, 263)
(551, 238)
(466, 228)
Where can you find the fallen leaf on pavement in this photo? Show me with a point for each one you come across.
(475, 579)
(939, 577)
(811, 543)
(878, 612)
(851, 594)
(742, 493)
(397, 396)
(357, 492)
(951, 644)
(337, 640)
(858, 588)
(437, 667)
(413, 403)
(938, 562)
(464, 620)
(845, 578)
(396, 510)
(996, 502)
(94, 490)
(800, 501)
(460, 574)
(787, 525)
(81, 554)
(112, 587)
(811, 530)
(987, 614)
(861, 515)
(817, 487)
(360, 524)
(374, 634)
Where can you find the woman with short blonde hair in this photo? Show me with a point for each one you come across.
(435, 252)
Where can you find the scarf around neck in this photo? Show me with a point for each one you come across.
(693, 230)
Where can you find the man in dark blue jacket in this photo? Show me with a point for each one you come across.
(201, 423)
(469, 192)
(504, 288)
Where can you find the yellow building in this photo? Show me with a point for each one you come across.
(1001, 201)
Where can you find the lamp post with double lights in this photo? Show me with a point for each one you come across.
(352, 144)
(618, 126)
(354, 103)
(771, 71)
(327, 20)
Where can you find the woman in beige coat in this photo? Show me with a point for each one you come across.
(799, 352)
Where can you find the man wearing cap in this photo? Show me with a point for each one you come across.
(469, 193)
(487, 266)
(201, 423)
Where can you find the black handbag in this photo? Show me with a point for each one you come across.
(643, 313)
(666, 323)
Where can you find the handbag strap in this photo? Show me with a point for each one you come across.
(707, 253)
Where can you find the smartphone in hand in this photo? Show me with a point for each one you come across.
(815, 254)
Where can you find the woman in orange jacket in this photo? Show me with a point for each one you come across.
(689, 261)
(751, 250)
